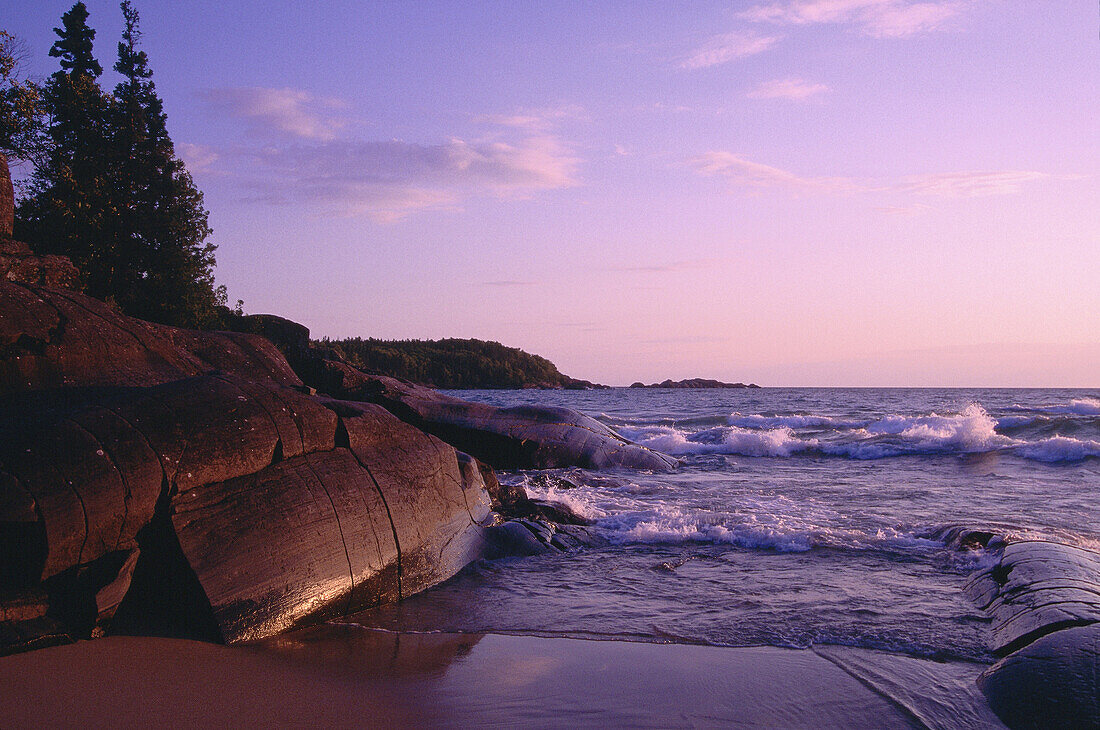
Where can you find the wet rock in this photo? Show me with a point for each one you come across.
(1044, 599)
(1054, 682)
(513, 538)
(1036, 588)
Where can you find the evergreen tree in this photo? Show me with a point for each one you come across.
(70, 203)
(20, 122)
(163, 225)
(110, 192)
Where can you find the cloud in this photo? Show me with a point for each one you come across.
(877, 18)
(741, 172)
(796, 89)
(727, 47)
(198, 158)
(969, 184)
(287, 113)
(535, 120)
(387, 180)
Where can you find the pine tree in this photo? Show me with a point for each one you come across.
(70, 203)
(20, 122)
(163, 225)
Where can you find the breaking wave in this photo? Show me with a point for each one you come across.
(1057, 434)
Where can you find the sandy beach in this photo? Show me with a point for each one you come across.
(343, 675)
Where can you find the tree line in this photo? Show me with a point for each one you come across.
(107, 188)
(453, 363)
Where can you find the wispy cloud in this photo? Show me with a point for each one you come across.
(796, 89)
(198, 158)
(535, 120)
(387, 180)
(284, 112)
(969, 184)
(741, 172)
(508, 284)
(727, 47)
(303, 158)
(878, 18)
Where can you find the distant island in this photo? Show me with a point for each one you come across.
(456, 364)
(694, 383)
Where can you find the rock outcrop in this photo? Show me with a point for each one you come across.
(1044, 600)
(523, 437)
(165, 481)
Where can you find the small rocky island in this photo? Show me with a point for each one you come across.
(694, 383)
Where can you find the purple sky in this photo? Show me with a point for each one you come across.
(816, 192)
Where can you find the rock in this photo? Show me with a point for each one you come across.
(522, 437)
(513, 538)
(52, 339)
(19, 264)
(1037, 587)
(1044, 599)
(1054, 682)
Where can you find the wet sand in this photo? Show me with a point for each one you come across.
(348, 676)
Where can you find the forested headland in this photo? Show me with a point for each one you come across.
(455, 363)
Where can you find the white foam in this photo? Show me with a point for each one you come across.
(1076, 407)
(1059, 448)
(798, 420)
(721, 440)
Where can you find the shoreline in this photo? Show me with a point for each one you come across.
(339, 674)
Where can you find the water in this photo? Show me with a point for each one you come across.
(798, 517)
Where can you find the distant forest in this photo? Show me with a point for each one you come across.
(454, 363)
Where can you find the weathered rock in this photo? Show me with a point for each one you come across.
(332, 532)
(1038, 587)
(432, 523)
(7, 199)
(1053, 682)
(523, 437)
(19, 264)
(91, 473)
(51, 338)
(1044, 599)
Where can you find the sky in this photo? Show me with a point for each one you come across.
(786, 192)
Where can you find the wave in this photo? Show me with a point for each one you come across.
(778, 442)
(972, 431)
(798, 420)
(1076, 407)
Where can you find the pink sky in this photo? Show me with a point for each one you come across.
(791, 192)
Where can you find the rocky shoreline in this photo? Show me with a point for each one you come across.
(232, 486)
(170, 482)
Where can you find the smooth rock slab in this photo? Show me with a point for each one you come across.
(1054, 682)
